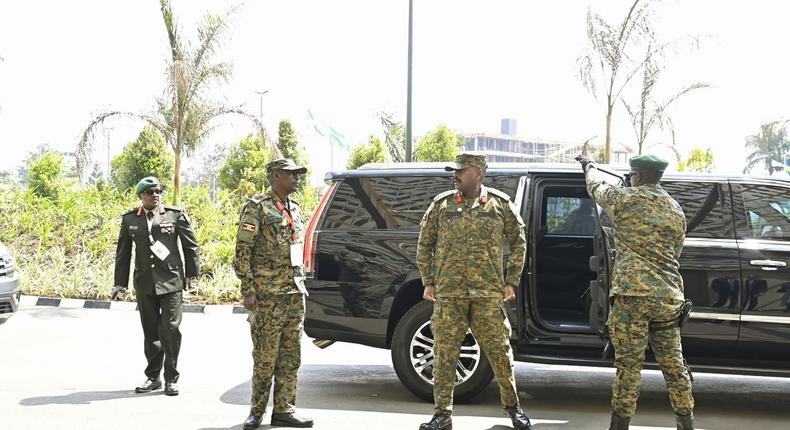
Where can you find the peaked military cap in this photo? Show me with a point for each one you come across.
(648, 163)
(146, 183)
(284, 164)
(468, 159)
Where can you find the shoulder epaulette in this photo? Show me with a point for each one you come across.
(258, 198)
(444, 195)
(130, 211)
(498, 193)
(173, 208)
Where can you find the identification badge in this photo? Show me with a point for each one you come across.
(160, 250)
(296, 254)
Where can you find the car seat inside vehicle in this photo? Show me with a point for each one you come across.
(564, 244)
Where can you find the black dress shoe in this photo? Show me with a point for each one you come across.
(438, 422)
(517, 417)
(171, 389)
(148, 386)
(290, 419)
(252, 422)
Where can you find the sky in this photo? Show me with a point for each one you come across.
(475, 62)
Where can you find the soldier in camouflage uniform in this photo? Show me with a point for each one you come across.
(647, 289)
(268, 262)
(459, 255)
(155, 230)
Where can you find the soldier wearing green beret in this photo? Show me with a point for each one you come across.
(268, 262)
(459, 255)
(160, 275)
(647, 289)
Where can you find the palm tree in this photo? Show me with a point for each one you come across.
(394, 137)
(651, 113)
(184, 114)
(608, 60)
(769, 145)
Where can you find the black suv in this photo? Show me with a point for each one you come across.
(365, 287)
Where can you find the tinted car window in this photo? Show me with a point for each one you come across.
(702, 204)
(392, 202)
(767, 211)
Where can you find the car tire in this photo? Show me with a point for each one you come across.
(408, 346)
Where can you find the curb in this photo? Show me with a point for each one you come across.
(58, 302)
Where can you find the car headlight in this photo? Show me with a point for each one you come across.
(8, 265)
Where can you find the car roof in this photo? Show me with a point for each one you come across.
(437, 169)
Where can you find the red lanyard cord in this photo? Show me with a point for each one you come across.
(281, 207)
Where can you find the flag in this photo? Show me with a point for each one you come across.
(325, 130)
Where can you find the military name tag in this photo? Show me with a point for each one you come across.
(160, 250)
(296, 254)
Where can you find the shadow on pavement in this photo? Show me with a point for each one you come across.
(84, 397)
(545, 393)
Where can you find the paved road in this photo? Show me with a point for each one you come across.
(75, 369)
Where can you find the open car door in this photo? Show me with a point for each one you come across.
(602, 261)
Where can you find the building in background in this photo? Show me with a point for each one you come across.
(508, 147)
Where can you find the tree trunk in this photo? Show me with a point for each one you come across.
(607, 158)
(177, 176)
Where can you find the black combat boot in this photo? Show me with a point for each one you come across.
(290, 419)
(619, 423)
(252, 422)
(438, 422)
(520, 421)
(685, 422)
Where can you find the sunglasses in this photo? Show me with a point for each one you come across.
(156, 191)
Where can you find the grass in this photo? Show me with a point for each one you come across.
(66, 247)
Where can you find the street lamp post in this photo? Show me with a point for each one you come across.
(408, 88)
(260, 94)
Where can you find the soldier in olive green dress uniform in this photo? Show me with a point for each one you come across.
(459, 255)
(647, 289)
(160, 275)
(269, 264)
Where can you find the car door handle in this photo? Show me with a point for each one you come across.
(768, 264)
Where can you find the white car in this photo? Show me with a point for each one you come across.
(10, 289)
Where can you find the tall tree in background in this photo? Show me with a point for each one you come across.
(441, 144)
(244, 171)
(699, 161)
(288, 143)
(609, 63)
(145, 156)
(185, 113)
(372, 152)
(46, 174)
(648, 112)
(768, 147)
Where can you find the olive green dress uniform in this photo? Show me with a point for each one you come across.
(460, 252)
(263, 265)
(158, 283)
(649, 229)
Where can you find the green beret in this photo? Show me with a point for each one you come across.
(648, 163)
(468, 159)
(284, 164)
(146, 183)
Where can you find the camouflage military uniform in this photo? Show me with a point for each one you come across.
(263, 265)
(460, 253)
(649, 229)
